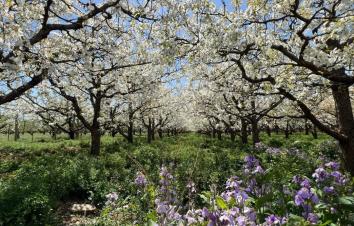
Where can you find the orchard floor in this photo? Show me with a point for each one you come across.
(41, 179)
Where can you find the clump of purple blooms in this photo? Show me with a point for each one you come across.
(306, 198)
(275, 220)
(235, 205)
(252, 166)
(330, 174)
(140, 180)
(166, 200)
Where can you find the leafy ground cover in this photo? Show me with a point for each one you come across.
(189, 179)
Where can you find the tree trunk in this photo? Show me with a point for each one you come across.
(255, 131)
(54, 134)
(276, 128)
(306, 128)
(214, 132)
(149, 137)
(244, 135)
(72, 135)
(291, 129)
(269, 132)
(130, 132)
(17, 129)
(219, 132)
(287, 130)
(149, 131)
(152, 133)
(159, 131)
(95, 142)
(8, 132)
(314, 132)
(346, 124)
(113, 133)
(232, 135)
(24, 126)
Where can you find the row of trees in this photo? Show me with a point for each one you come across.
(248, 62)
(95, 66)
(252, 61)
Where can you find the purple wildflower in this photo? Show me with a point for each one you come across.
(140, 180)
(312, 218)
(111, 198)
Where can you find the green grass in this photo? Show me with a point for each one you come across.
(35, 176)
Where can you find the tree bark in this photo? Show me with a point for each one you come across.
(159, 131)
(214, 133)
(314, 132)
(71, 135)
(306, 128)
(276, 129)
(8, 132)
(149, 131)
(232, 135)
(346, 124)
(255, 131)
(244, 135)
(95, 142)
(287, 130)
(113, 133)
(130, 132)
(17, 130)
(152, 133)
(219, 132)
(269, 131)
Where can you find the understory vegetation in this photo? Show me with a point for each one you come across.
(188, 179)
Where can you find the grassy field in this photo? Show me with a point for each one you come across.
(38, 177)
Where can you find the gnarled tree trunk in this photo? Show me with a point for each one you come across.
(346, 123)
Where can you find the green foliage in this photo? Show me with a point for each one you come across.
(273, 142)
(36, 176)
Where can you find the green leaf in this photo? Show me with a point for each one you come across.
(205, 196)
(152, 216)
(220, 202)
(346, 200)
(152, 223)
(326, 223)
